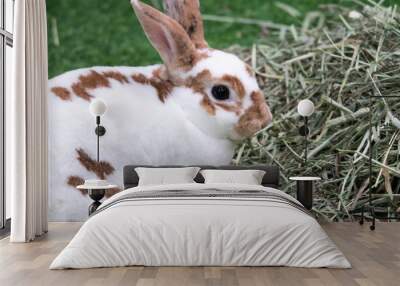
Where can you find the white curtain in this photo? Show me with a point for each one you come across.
(27, 123)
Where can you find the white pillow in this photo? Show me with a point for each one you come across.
(248, 177)
(164, 176)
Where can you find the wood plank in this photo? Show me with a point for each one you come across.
(375, 257)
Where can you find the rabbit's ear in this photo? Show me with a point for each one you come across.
(187, 13)
(167, 36)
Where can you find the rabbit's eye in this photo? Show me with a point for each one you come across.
(220, 92)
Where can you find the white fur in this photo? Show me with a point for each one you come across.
(140, 129)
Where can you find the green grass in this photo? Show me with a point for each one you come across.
(98, 32)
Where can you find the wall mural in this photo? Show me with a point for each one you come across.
(190, 110)
(204, 106)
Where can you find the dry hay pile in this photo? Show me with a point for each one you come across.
(338, 58)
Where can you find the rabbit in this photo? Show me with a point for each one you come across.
(189, 110)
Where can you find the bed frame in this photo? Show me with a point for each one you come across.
(270, 179)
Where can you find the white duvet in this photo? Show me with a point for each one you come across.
(200, 231)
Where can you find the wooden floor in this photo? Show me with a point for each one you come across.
(375, 257)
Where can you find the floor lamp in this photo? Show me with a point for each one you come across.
(305, 108)
(97, 108)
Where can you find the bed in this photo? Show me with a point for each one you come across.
(198, 224)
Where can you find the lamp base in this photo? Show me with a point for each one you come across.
(305, 193)
(93, 207)
(96, 195)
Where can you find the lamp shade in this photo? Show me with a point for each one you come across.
(97, 107)
(305, 107)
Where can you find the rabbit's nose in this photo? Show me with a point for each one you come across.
(254, 119)
(267, 117)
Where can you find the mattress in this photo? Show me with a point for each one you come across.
(201, 225)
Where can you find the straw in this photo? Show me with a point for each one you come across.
(338, 62)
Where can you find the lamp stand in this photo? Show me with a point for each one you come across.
(306, 140)
(304, 131)
(100, 131)
(98, 138)
(97, 194)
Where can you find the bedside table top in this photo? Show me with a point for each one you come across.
(96, 184)
(87, 187)
(305, 178)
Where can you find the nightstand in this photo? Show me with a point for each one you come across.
(305, 190)
(96, 190)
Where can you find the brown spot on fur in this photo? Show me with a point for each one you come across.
(81, 92)
(160, 73)
(140, 78)
(75, 181)
(163, 87)
(186, 62)
(102, 169)
(94, 80)
(231, 108)
(62, 93)
(197, 84)
(256, 116)
(236, 84)
(257, 97)
(208, 105)
(117, 76)
(90, 81)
